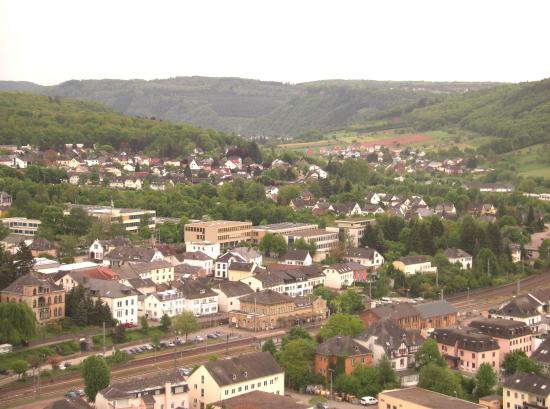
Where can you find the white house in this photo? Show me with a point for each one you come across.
(199, 299)
(170, 302)
(121, 299)
(338, 276)
(193, 165)
(96, 251)
(459, 256)
(229, 293)
(367, 257)
(221, 266)
(412, 265)
(225, 378)
(210, 249)
(298, 258)
(197, 259)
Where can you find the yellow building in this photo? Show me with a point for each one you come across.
(418, 398)
(226, 233)
(526, 391)
(226, 378)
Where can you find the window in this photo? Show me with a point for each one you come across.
(226, 393)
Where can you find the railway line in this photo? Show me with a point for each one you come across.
(484, 298)
(15, 396)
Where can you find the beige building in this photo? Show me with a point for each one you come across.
(160, 272)
(352, 229)
(418, 398)
(226, 378)
(22, 225)
(412, 265)
(226, 233)
(526, 391)
(131, 219)
(282, 229)
(324, 240)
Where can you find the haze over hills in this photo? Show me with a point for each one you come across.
(252, 107)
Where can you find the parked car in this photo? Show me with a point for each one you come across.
(185, 371)
(171, 345)
(198, 338)
(163, 344)
(72, 394)
(321, 405)
(368, 400)
(128, 325)
(212, 336)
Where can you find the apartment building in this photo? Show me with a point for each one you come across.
(199, 298)
(350, 352)
(294, 281)
(160, 272)
(229, 294)
(170, 302)
(352, 229)
(226, 233)
(21, 225)
(131, 219)
(528, 391)
(210, 249)
(281, 229)
(459, 256)
(323, 239)
(226, 378)
(365, 256)
(338, 276)
(510, 335)
(121, 299)
(40, 293)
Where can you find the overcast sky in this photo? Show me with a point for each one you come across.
(293, 41)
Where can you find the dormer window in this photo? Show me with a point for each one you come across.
(245, 374)
(234, 377)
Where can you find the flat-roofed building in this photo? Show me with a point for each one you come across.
(352, 229)
(226, 233)
(131, 219)
(323, 239)
(282, 229)
(418, 398)
(22, 226)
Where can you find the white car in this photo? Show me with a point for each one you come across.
(368, 400)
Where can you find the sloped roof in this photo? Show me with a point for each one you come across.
(542, 353)
(31, 279)
(360, 252)
(243, 368)
(296, 255)
(341, 346)
(455, 253)
(267, 297)
(193, 289)
(435, 308)
(531, 383)
(234, 288)
(260, 400)
(501, 328)
(155, 381)
(389, 335)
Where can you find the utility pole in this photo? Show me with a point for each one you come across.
(518, 286)
(331, 371)
(468, 289)
(437, 278)
(370, 289)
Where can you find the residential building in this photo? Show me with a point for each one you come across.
(352, 230)
(267, 310)
(260, 400)
(341, 350)
(199, 298)
(510, 335)
(197, 259)
(524, 308)
(22, 225)
(221, 265)
(293, 281)
(42, 246)
(459, 256)
(298, 258)
(367, 257)
(229, 294)
(210, 249)
(237, 270)
(527, 391)
(418, 398)
(542, 355)
(226, 378)
(132, 254)
(121, 299)
(411, 265)
(40, 293)
(162, 390)
(466, 348)
(131, 219)
(338, 276)
(385, 338)
(323, 239)
(170, 302)
(71, 278)
(226, 233)
(436, 314)
(281, 229)
(161, 272)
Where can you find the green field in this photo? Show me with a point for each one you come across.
(531, 161)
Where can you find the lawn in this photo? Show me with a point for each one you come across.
(531, 161)
(62, 348)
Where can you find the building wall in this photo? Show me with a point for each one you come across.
(323, 362)
(237, 275)
(123, 309)
(226, 234)
(439, 321)
(336, 280)
(512, 398)
(47, 306)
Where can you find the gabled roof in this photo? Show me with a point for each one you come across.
(233, 288)
(156, 381)
(395, 311)
(531, 383)
(267, 297)
(342, 346)
(260, 400)
(435, 308)
(241, 266)
(228, 256)
(410, 260)
(193, 255)
(296, 255)
(131, 253)
(360, 252)
(501, 328)
(246, 253)
(521, 307)
(542, 353)
(193, 289)
(467, 338)
(108, 288)
(31, 279)
(243, 368)
(455, 253)
(389, 335)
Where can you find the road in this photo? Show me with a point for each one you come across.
(482, 299)
(26, 394)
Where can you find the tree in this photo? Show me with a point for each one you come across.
(119, 334)
(511, 360)
(269, 346)
(95, 373)
(272, 243)
(17, 323)
(185, 323)
(296, 332)
(341, 324)
(429, 353)
(325, 293)
(348, 302)
(485, 380)
(387, 376)
(19, 366)
(440, 379)
(296, 358)
(301, 244)
(165, 322)
(144, 325)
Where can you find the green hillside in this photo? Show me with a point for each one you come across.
(250, 107)
(519, 115)
(50, 122)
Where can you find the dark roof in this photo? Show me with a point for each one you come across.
(360, 252)
(531, 383)
(455, 253)
(135, 385)
(340, 268)
(523, 306)
(130, 270)
(193, 289)
(435, 308)
(141, 282)
(296, 255)
(193, 255)
(260, 400)
(31, 279)
(108, 288)
(408, 260)
(187, 269)
(228, 256)
(389, 335)
(241, 266)
(76, 403)
(234, 288)
(341, 346)
(500, 328)
(130, 253)
(542, 353)
(267, 297)
(395, 311)
(41, 244)
(429, 399)
(242, 368)
(467, 338)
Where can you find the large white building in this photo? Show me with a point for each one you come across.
(338, 276)
(170, 302)
(131, 219)
(199, 299)
(121, 299)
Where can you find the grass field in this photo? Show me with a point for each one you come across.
(531, 161)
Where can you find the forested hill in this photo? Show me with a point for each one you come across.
(50, 122)
(254, 107)
(519, 114)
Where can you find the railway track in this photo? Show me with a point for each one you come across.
(485, 298)
(15, 396)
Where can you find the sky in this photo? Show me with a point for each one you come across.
(52, 41)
